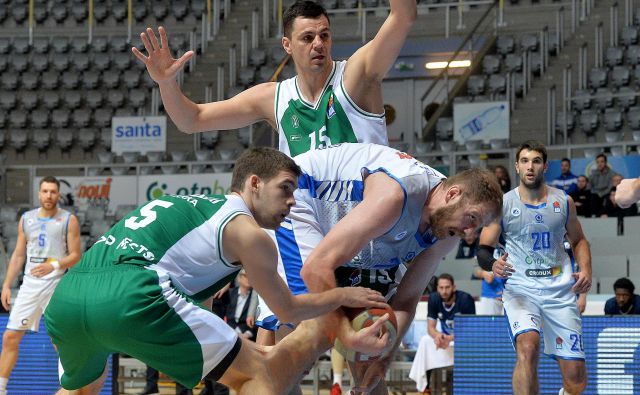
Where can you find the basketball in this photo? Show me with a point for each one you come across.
(362, 318)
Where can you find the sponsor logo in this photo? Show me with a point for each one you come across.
(330, 110)
(24, 322)
(401, 235)
(295, 137)
(516, 325)
(550, 272)
(515, 212)
(530, 260)
(356, 277)
(137, 131)
(539, 218)
(558, 343)
(156, 190)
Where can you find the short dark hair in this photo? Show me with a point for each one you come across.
(479, 186)
(50, 179)
(264, 162)
(566, 160)
(602, 156)
(624, 283)
(533, 145)
(446, 276)
(585, 177)
(303, 9)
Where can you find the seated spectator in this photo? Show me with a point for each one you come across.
(241, 310)
(491, 294)
(625, 301)
(567, 181)
(436, 347)
(601, 182)
(583, 197)
(503, 178)
(468, 246)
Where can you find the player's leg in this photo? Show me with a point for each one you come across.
(10, 345)
(337, 367)
(563, 339)
(265, 337)
(524, 318)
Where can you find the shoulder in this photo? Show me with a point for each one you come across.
(434, 299)
(464, 296)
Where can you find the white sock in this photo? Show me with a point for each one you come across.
(563, 392)
(3, 385)
(337, 379)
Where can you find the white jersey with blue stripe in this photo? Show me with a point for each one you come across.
(534, 239)
(332, 184)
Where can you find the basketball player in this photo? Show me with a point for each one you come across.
(136, 290)
(49, 241)
(542, 282)
(364, 211)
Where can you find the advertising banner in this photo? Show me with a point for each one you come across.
(101, 191)
(140, 134)
(153, 186)
(480, 121)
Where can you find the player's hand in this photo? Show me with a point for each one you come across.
(502, 268)
(160, 64)
(583, 283)
(362, 297)
(251, 321)
(582, 303)
(222, 291)
(487, 277)
(627, 193)
(369, 340)
(6, 297)
(42, 269)
(373, 375)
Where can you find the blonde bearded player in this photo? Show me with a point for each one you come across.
(49, 239)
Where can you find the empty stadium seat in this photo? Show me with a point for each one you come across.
(589, 122)
(505, 44)
(612, 119)
(609, 266)
(28, 99)
(64, 139)
(613, 56)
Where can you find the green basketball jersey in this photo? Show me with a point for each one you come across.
(178, 235)
(333, 119)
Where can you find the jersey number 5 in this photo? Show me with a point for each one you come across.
(148, 215)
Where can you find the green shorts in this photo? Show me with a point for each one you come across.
(134, 310)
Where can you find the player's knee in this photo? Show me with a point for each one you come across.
(528, 350)
(11, 339)
(575, 382)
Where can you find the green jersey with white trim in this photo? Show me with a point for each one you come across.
(180, 235)
(333, 119)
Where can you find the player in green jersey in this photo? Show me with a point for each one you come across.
(137, 290)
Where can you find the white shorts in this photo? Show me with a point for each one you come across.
(489, 306)
(28, 307)
(554, 314)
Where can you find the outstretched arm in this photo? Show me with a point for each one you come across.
(581, 251)
(368, 65)
(253, 105)
(244, 241)
(628, 192)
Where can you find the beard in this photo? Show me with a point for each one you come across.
(535, 184)
(441, 216)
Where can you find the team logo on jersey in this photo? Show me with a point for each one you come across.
(330, 110)
(400, 235)
(556, 207)
(539, 218)
(516, 325)
(24, 322)
(295, 122)
(559, 343)
(515, 212)
(356, 277)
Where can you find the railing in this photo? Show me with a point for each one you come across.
(483, 32)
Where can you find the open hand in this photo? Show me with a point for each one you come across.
(160, 64)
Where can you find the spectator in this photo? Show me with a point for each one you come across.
(503, 178)
(601, 182)
(616, 180)
(583, 197)
(239, 314)
(567, 181)
(436, 347)
(611, 208)
(625, 301)
(468, 246)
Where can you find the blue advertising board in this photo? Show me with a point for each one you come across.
(484, 357)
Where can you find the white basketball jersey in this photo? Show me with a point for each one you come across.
(332, 184)
(46, 238)
(534, 239)
(333, 119)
